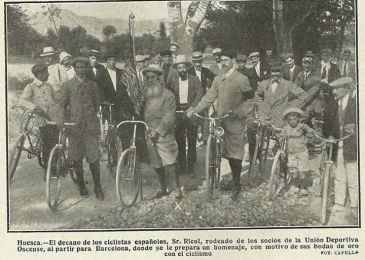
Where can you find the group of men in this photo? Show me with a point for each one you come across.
(168, 91)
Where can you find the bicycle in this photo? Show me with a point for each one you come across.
(34, 148)
(109, 138)
(129, 169)
(326, 171)
(213, 154)
(59, 164)
(279, 169)
(262, 138)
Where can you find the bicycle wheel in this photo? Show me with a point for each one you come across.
(128, 177)
(57, 166)
(325, 193)
(210, 167)
(217, 164)
(15, 155)
(274, 175)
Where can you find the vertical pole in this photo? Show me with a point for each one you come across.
(131, 31)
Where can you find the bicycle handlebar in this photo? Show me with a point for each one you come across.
(133, 122)
(331, 140)
(65, 124)
(106, 104)
(213, 118)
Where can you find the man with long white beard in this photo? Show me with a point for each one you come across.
(159, 115)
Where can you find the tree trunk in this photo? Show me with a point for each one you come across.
(181, 32)
(282, 35)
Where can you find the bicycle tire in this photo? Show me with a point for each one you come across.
(274, 175)
(209, 166)
(40, 157)
(56, 159)
(254, 157)
(217, 167)
(128, 175)
(15, 155)
(112, 152)
(322, 169)
(325, 194)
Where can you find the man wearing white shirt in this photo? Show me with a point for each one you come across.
(188, 92)
(343, 123)
(346, 67)
(291, 70)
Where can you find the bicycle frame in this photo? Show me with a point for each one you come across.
(34, 143)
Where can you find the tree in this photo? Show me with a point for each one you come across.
(109, 31)
(22, 39)
(183, 32)
(52, 11)
(162, 31)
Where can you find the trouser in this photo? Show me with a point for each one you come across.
(236, 167)
(251, 137)
(95, 171)
(346, 179)
(49, 136)
(168, 177)
(186, 130)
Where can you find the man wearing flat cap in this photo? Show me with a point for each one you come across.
(258, 71)
(174, 48)
(230, 89)
(96, 71)
(328, 70)
(337, 125)
(39, 96)
(79, 97)
(166, 56)
(140, 65)
(188, 92)
(216, 67)
(290, 70)
(160, 115)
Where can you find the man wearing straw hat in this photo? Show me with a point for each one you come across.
(343, 123)
(159, 115)
(188, 92)
(216, 67)
(48, 58)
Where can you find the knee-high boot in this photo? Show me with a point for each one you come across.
(95, 171)
(162, 183)
(173, 173)
(77, 165)
(236, 167)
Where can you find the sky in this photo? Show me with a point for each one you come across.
(141, 9)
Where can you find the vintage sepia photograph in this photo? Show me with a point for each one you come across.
(137, 115)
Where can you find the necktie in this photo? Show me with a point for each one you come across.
(305, 75)
(324, 72)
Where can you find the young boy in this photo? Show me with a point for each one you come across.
(297, 147)
(39, 97)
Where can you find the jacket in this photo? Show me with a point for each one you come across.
(273, 105)
(286, 73)
(195, 90)
(231, 94)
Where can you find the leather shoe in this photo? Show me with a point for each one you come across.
(99, 194)
(84, 192)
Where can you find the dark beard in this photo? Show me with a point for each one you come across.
(153, 91)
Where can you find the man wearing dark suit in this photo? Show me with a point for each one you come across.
(115, 92)
(206, 78)
(188, 92)
(95, 72)
(328, 72)
(258, 72)
(291, 70)
(166, 56)
(340, 124)
(347, 68)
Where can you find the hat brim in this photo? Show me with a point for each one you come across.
(47, 54)
(197, 59)
(301, 114)
(158, 72)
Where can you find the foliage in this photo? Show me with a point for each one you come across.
(162, 31)
(109, 31)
